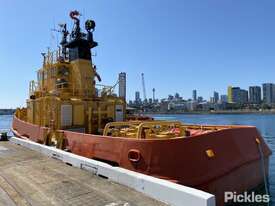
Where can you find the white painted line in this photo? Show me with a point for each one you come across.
(162, 190)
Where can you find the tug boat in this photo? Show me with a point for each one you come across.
(66, 109)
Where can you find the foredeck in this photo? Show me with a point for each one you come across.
(30, 178)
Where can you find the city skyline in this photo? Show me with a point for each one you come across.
(236, 99)
(178, 45)
(196, 93)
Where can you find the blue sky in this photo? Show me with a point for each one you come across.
(180, 45)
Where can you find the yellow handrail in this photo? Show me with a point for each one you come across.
(117, 124)
(152, 124)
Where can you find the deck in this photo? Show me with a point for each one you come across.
(30, 178)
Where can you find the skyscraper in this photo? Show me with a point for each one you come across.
(239, 96)
(268, 90)
(224, 98)
(243, 96)
(255, 94)
(273, 93)
(235, 95)
(137, 97)
(216, 97)
(194, 95)
(122, 85)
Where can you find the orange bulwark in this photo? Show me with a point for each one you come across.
(234, 154)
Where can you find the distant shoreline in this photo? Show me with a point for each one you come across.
(11, 112)
(211, 112)
(7, 111)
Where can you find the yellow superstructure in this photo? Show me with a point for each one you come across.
(65, 94)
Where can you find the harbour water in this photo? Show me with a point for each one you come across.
(264, 122)
(5, 122)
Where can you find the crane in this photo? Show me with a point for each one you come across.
(143, 86)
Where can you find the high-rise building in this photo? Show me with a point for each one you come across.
(268, 91)
(236, 94)
(229, 94)
(122, 85)
(255, 94)
(194, 95)
(243, 96)
(239, 96)
(224, 98)
(273, 93)
(216, 97)
(137, 97)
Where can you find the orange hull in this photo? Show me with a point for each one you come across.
(236, 165)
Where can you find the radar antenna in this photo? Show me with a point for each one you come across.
(63, 42)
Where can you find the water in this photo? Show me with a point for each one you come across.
(5, 122)
(264, 122)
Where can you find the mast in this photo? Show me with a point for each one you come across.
(80, 44)
(63, 42)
